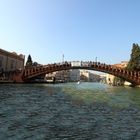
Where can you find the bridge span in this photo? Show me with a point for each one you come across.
(32, 72)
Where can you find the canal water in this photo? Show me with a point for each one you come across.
(88, 111)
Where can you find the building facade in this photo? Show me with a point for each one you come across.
(60, 76)
(123, 64)
(11, 61)
(88, 76)
(74, 75)
(111, 80)
(84, 75)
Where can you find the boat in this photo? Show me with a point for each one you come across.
(78, 82)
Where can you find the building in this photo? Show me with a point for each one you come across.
(110, 79)
(89, 76)
(123, 64)
(63, 76)
(11, 61)
(94, 77)
(60, 76)
(84, 75)
(74, 75)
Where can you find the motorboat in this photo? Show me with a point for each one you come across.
(78, 82)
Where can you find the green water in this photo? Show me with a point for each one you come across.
(121, 97)
(71, 111)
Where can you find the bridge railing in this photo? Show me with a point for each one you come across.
(132, 76)
(87, 64)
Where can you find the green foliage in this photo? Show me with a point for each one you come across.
(118, 81)
(29, 61)
(134, 63)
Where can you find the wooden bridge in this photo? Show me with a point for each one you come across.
(32, 72)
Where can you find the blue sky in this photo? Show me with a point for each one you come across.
(79, 29)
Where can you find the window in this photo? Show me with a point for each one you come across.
(12, 64)
(1, 60)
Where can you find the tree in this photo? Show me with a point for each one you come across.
(134, 63)
(29, 61)
(118, 81)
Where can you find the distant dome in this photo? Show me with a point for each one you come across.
(21, 55)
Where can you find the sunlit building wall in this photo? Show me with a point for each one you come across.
(110, 78)
(11, 61)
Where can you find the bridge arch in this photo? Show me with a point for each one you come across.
(130, 76)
